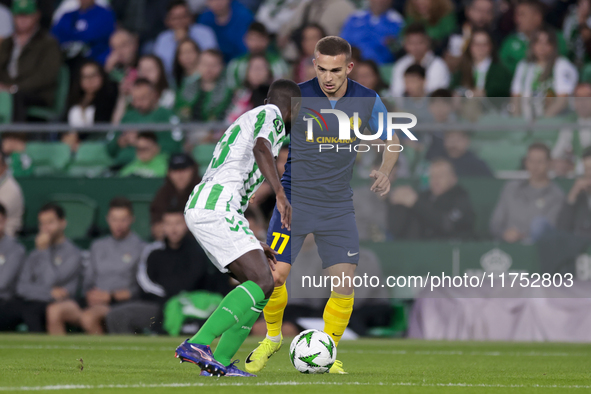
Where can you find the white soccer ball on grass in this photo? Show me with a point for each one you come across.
(312, 351)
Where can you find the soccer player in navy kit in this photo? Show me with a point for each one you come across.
(317, 184)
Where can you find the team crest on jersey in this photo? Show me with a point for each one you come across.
(278, 124)
(352, 123)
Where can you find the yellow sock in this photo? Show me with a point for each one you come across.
(337, 313)
(274, 311)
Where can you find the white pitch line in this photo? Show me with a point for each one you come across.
(465, 353)
(288, 383)
(392, 352)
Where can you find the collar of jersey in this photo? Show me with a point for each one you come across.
(320, 93)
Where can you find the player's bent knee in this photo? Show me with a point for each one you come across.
(267, 284)
(281, 273)
(279, 279)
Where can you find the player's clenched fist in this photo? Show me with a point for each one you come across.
(381, 184)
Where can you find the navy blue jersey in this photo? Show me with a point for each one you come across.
(322, 178)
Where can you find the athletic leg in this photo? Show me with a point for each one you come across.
(225, 235)
(339, 306)
(287, 246)
(338, 246)
(253, 271)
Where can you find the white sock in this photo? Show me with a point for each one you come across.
(275, 339)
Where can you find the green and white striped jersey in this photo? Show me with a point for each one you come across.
(233, 175)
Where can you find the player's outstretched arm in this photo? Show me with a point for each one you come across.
(381, 176)
(266, 162)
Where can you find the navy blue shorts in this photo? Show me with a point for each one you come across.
(335, 233)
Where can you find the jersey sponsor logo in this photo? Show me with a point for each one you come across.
(351, 254)
(309, 119)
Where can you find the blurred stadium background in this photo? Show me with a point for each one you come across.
(104, 99)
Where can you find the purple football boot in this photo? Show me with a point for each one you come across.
(201, 356)
(231, 370)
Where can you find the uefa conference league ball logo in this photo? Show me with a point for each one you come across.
(347, 124)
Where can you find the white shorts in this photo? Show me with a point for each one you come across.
(224, 236)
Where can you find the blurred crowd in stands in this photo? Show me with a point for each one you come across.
(90, 62)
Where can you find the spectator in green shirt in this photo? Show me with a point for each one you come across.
(257, 42)
(438, 17)
(577, 32)
(480, 73)
(253, 90)
(144, 108)
(529, 17)
(13, 147)
(213, 95)
(149, 162)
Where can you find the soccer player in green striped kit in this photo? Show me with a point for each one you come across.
(242, 160)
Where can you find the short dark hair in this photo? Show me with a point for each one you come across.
(540, 146)
(121, 202)
(56, 208)
(214, 52)
(535, 4)
(145, 82)
(333, 46)
(586, 153)
(176, 3)
(441, 93)
(149, 135)
(15, 135)
(416, 69)
(258, 27)
(415, 28)
(2, 210)
(282, 91)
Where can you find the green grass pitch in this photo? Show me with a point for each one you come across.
(140, 364)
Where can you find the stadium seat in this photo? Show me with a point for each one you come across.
(141, 210)
(48, 157)
(503, 155)
(80, 213)
(90, 161)
(509, 128)
(5, 108)
(203, 154)
(484, 194)
(548, 135)
(61, 96)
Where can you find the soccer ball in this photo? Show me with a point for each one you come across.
(312, 351)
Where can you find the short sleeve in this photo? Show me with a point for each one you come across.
(379, 110)
(565, 77)
(269, 125)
